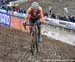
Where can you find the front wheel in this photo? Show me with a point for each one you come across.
(33, 48)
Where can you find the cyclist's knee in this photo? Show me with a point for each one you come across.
(28, 29)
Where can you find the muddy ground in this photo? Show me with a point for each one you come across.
(15, 47)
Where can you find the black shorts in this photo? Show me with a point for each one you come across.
(34, 20)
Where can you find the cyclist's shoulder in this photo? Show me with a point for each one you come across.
(29, 9)
(40, 8)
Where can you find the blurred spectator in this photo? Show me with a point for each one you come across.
(4, 7)
(68, 18)
(59, 17)
(17, 8)
(65, 18)
(4, 2)
(22, 10)
(13, 9)
(45, 14)
(11, 0)
(72, 18)
(53, 15)
(50, 11)
(0, 2)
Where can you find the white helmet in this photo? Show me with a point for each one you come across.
(35, 5)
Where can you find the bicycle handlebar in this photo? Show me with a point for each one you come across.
(25, 24)
(32, 24)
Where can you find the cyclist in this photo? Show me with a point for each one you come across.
(34, 13)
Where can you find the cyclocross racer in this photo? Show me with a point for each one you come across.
(34, 13)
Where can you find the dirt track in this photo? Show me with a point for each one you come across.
(15, 47)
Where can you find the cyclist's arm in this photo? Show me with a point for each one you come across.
(27, 15)
(41, 15)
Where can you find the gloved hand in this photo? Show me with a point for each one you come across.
(40, 23)
(24, 24)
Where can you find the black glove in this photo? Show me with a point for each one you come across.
(24, 24)
(40, 23)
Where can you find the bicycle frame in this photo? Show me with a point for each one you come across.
(34, 34)
(35, 37)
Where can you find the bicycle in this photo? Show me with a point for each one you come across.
(35, 37)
